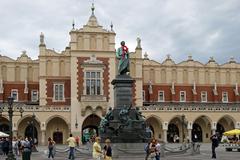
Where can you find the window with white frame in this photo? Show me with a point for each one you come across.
(58, 89)
(161, 96)
(143, 95)
(14, 94)
(203, 96)
(224, 96)
(93, 82)
(182, 96)
(34, 97)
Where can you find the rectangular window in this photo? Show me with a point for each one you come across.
(182, 96)
(93, 83)
(203, 96)
(59, 92)
(161, 96)
(34, 97)
(14, 94)
(224, 97)
(143, 95)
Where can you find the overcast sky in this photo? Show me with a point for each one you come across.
(201, 28)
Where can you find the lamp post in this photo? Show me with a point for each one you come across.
(10, 114)
(183, 135)
(32, 124)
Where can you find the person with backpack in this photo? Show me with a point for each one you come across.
(107, 150)
(15, 146)
(51, 144)
(147, 150)
(215, 142)
(27, 149)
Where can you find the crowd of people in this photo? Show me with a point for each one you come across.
(21, 147)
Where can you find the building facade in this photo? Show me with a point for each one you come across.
(69, 92)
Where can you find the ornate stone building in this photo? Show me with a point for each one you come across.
(70, 91)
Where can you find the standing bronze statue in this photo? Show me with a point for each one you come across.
(123, 57)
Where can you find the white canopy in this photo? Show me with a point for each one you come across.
(2, 134)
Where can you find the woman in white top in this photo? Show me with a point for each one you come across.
(97, 151)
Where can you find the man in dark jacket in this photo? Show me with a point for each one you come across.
(5, 146)
(215, 142)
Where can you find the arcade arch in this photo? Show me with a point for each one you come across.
(225, 123)
(90, 127)
(58, 129)
(201, 130)
(177, 129)
(155, 124)
(4, 125)
(29, 127)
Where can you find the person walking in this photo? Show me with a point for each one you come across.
(147, 150)
(97, 151)
(51, 145)
(15, 146)
(215, 142)
(152, 148)
(72, 144)
(5, 146)
(158, 150)
(107, 150)
(26, 154)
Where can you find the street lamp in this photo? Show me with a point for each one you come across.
(10, 114)
(183, 135)
(32, 124)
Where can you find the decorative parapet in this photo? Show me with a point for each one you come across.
(193, 107)
(36, 108)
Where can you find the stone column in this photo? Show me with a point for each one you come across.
(43, 132)
(165, 136)
(190, 135)
(214, 127)
(213, 131)
(189, 127)
(165, 128)
(237, 125)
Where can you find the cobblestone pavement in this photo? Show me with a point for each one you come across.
(204, 155)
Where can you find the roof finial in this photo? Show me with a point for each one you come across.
(73, 24)
(41, 39)
(111, 26)
(92, 8)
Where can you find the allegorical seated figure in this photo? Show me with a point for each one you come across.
(123, 57)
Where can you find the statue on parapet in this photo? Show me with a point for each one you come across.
(123, 57)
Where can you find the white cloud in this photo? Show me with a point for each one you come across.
(201, 28)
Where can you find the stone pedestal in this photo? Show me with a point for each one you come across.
(123, 85)
(124, 124)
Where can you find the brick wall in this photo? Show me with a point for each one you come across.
(190, 97)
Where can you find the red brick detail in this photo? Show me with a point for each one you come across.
(31, 87)
(105, 77)
(195, 96)
(22, 97)
(190, 97)
(80, 75)
(67, 91)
